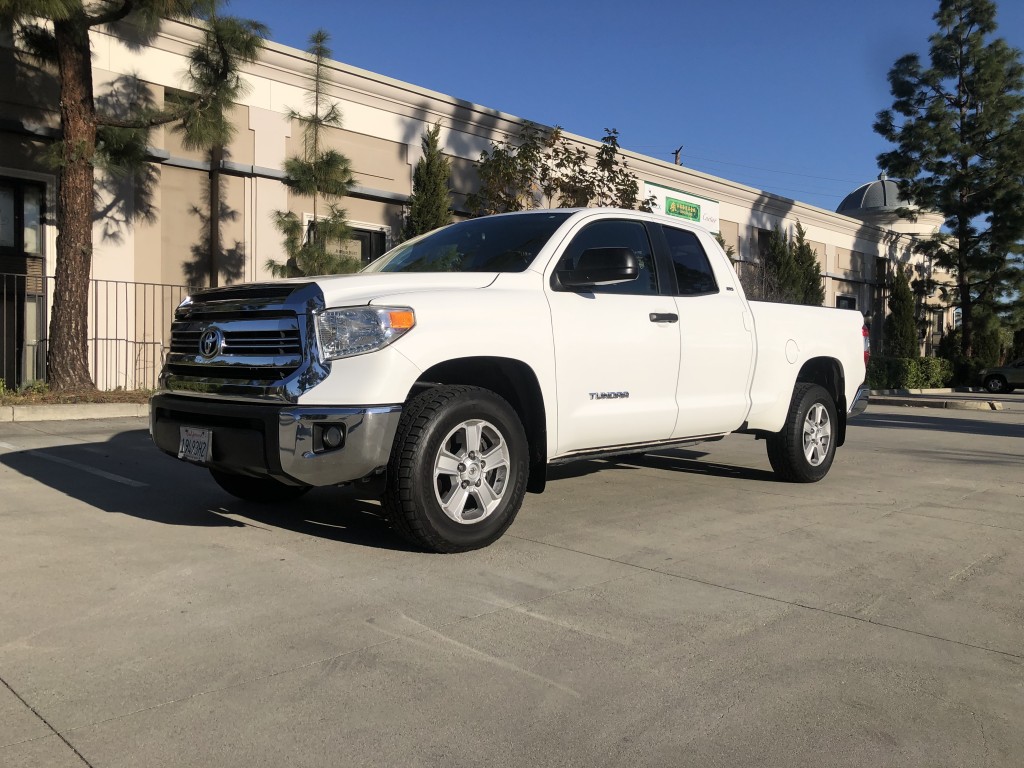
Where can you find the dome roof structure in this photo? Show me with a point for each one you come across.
(875, 197)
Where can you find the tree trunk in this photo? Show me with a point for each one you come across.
(67, 359)
(966, 314)
(216, 156)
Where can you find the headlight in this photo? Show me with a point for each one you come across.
(357, 330)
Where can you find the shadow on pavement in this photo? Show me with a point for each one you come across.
(128, 475)
(938, 423)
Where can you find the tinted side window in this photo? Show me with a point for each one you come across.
(617, 234)
(693, 270)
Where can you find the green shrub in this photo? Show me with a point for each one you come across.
(967, 373)
(909, 372)
(37, 387)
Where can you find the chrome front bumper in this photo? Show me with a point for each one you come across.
(859, 404)
(369, 434)
(282, 442)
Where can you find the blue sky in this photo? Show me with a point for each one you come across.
(778, 95)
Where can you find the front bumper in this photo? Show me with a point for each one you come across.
(284, 442)
(859, 404)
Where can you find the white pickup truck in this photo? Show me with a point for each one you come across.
(462, 363)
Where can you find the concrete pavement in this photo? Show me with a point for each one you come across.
(680, 609)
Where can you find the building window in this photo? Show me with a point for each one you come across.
(763, 239)
(368, 241)
(371, 243)
(22, 284)
(846, 302)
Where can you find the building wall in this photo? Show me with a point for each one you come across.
(153, 230)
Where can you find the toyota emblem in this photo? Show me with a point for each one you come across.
(210, 343)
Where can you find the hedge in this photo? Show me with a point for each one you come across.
(909, 372)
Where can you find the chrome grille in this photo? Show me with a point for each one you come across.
(245, 340)
(272, 341)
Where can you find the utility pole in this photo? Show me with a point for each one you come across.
(676, 154)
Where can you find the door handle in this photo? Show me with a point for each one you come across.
(664, 317)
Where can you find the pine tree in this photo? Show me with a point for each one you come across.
(430, 205)
(325, 176)
(787, 271)
(958, 127)
(730, 251)
(57, 31)
(779, 277)
(810, 288)
(900, 325)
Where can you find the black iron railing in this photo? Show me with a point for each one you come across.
(128, 330)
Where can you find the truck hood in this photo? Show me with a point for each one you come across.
(348, 290)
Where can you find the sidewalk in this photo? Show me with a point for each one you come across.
(71, 411)
(961, 399)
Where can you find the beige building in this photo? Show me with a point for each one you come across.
(148, 234)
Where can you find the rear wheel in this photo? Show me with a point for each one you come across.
(803, 451)
(996, 385)
(458, 469)
(260, 489)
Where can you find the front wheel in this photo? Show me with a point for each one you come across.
(265, 490)
(803, 451)
(458, 470)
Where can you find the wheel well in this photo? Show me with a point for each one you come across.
(515, 381)
(828, 373)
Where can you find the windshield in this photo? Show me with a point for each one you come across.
(488, 244)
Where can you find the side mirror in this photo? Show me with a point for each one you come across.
(601, 266)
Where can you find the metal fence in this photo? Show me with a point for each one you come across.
(128, 330)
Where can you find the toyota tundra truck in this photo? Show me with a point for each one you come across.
(461, 364)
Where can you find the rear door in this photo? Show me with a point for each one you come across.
(1015, 373)
(616, 346)
(716, 337)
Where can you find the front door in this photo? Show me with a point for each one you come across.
(616, 348)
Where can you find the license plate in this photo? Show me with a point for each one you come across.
(196, 444)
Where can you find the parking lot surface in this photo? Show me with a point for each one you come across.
(677, 609)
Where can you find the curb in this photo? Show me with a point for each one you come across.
(953, 405)
(906, 392)
(72, 411)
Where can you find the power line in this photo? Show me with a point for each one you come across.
(752, 167)
(774, 170)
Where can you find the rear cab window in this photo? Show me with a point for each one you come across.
(693, 271)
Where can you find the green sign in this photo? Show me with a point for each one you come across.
(682, 209)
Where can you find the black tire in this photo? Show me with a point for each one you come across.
(264, 490)
(803, 451)
(422, 482)
(996, 385)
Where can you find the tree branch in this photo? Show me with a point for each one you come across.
(140, 123)
(112, 15)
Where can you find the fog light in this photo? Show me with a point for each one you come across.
(334, 436)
